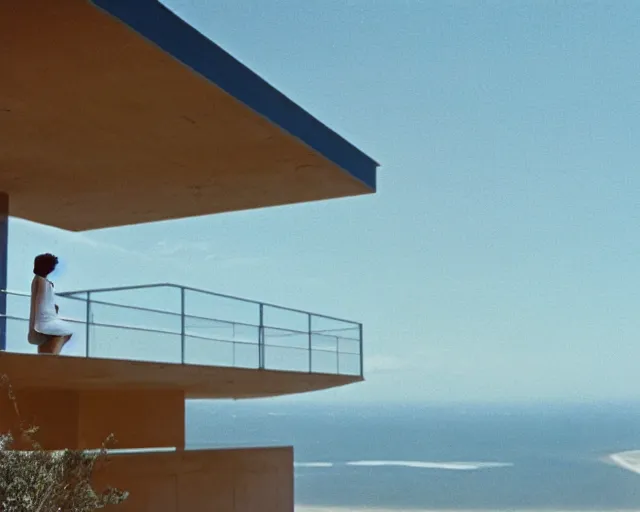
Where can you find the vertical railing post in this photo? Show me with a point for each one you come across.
(310, 343)
(88, 322)
(361, 353)
(182, 324)
(261, 339)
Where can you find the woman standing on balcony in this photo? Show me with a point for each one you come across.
(46, 329)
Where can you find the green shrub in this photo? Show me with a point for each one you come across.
(50, 481)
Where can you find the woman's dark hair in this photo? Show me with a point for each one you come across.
(44, 264)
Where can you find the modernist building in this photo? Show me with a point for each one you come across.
(117, 112)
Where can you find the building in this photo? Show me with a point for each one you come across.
(117, 112)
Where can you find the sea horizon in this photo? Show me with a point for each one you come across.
(399, 457)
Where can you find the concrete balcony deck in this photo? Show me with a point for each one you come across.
(168, 337)
(27, 371)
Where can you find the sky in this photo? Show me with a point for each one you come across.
(497, 261)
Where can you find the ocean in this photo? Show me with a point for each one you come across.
(434, 457)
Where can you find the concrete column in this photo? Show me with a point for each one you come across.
(4, 263)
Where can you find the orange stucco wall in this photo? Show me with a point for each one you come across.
(149, 418)
(230, 480)
(233, 480)
(83, 419)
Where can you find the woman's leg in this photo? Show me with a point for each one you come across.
(58, 342)
(53, 345)
(47, 346)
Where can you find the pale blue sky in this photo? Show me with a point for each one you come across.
(498, 260)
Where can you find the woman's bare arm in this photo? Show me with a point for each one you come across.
(36, 291)
(57, 307)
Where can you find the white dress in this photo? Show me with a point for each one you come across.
(43, 318)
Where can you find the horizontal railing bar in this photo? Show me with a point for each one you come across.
(194, 336)
(72, 295)
(205, 292)
(235, 342)
(322, 331)
(276, 306)
(325, 350)
(255, 344)
(22, 319)
(282, 331)
(176, 333)
(18, 294)
(98, 324)
(290, 332)
(129, 328)
(285, 332)
(119, 288)
(123, 306)
(165, 312)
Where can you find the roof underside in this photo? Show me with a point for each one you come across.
(123, 113)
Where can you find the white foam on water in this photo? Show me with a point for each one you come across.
(451, 466)
(313, 464)
(629, 460)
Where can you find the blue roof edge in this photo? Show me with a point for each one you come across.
(168, 31)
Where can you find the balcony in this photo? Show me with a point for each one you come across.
(208, 344)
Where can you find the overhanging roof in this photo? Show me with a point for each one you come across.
(123, 113)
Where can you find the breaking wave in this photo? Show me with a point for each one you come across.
(451, 466)
(313, 464)
(629, 460)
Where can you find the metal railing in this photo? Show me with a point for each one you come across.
(171, 323)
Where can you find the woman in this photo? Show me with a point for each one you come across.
(45, 327)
